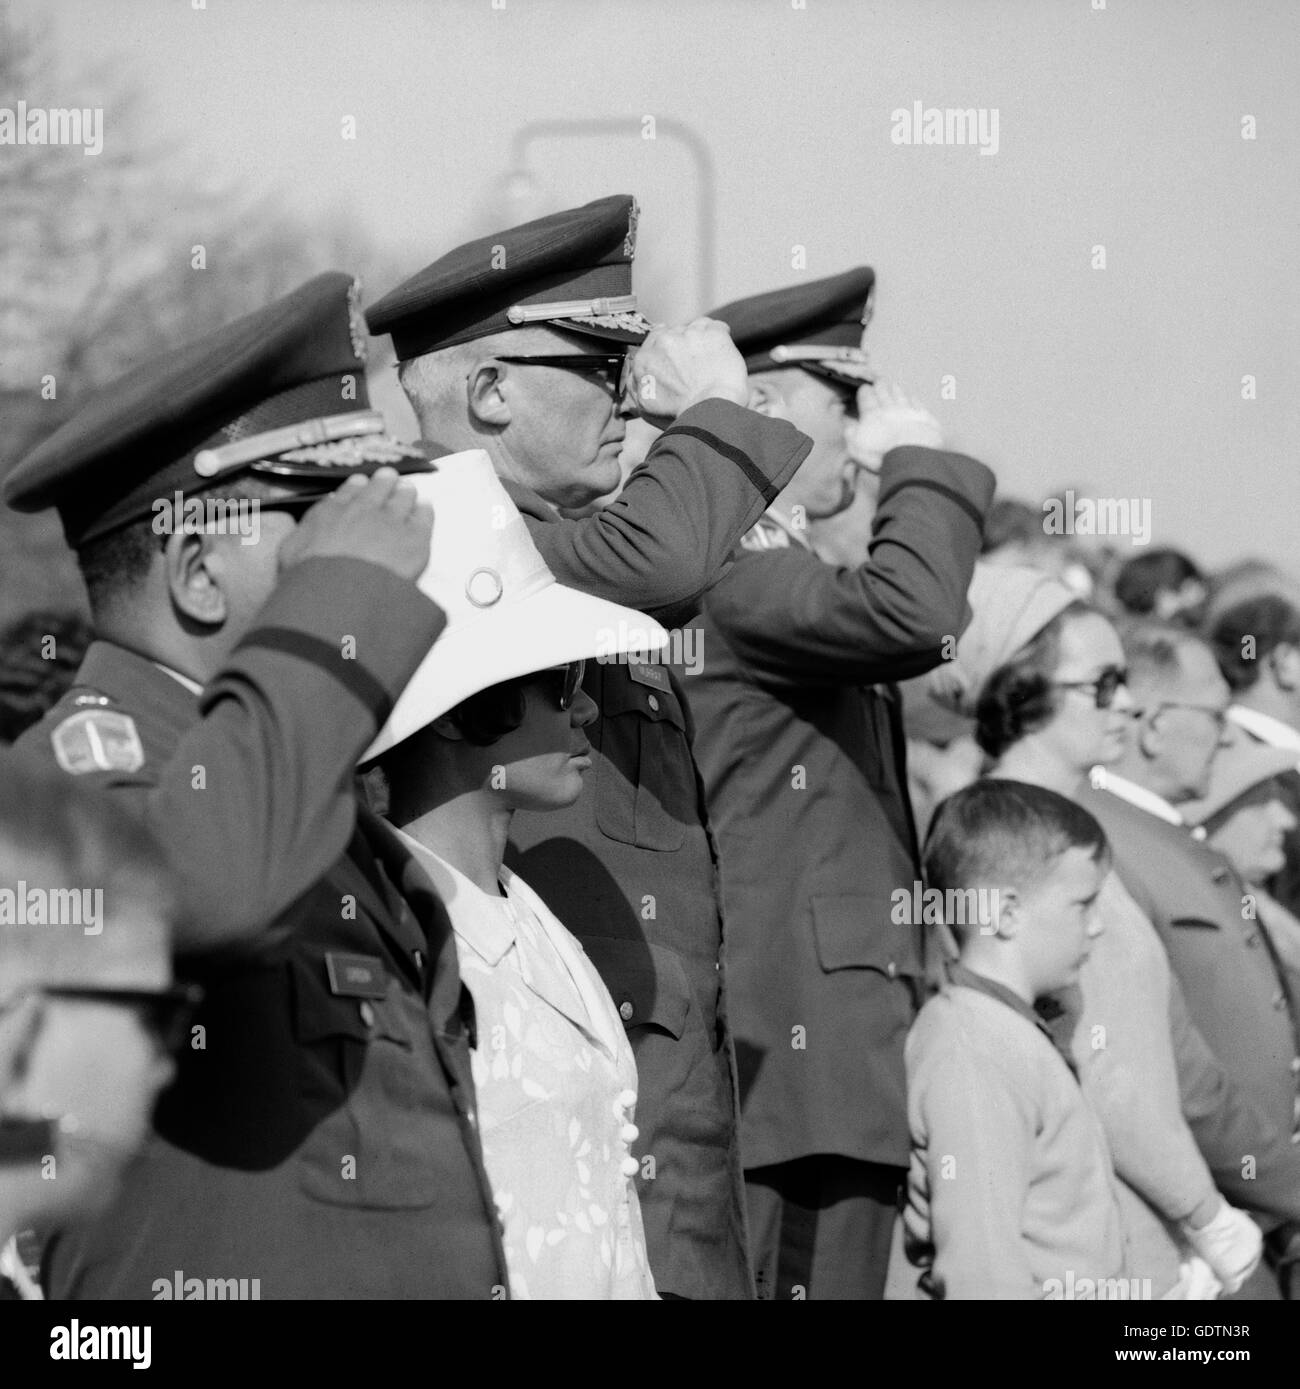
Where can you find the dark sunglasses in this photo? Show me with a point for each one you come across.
(165, 1012)
(1103, 687)
(562, 682)
(609, 366)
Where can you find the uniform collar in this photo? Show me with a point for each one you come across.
(121, 674)
(1266, 728)
(1105, 780)
(799, 535)
(961, 976)
(192, 686)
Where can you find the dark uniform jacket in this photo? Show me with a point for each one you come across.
(1236, 999)
(801, 745)
(319, 1134)
(629, 869)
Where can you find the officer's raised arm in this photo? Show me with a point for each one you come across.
(518, 343)
(794, 619)
(241, 662)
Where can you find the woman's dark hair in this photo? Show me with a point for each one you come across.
(490, 714)
(1018, 698)
(482, 719)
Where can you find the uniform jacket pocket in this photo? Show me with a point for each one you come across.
(855, 931)
(367, 1071)
(645, 780)
(647, 983)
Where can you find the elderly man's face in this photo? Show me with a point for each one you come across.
(565, 432)
(1190, 710)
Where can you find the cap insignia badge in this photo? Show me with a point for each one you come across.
(351, 453)
(356, 321)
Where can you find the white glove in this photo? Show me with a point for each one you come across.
(887, 419)
(1196, 1282)
(1231, 1244)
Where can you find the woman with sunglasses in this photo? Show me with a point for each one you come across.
(493, 723)
(89, 1016)
(1043, 674)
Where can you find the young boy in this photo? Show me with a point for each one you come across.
(1011, 1192)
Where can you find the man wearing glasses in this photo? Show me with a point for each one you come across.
(528, 344)
(1235, 987)
(89, 1019)
(320, 1132)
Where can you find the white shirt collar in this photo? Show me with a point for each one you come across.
(192, 686)
(1102, 779)
(1266, 728)
(798, 534)
(480, 919)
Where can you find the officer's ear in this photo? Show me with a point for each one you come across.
(488, 389)
(192, 567)
(765, 398)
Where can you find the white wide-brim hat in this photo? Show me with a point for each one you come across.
(507, 615)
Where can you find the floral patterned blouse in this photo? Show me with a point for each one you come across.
(555, 1082)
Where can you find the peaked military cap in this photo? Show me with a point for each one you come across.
(280, 393)
(817, 326)
(571, 270)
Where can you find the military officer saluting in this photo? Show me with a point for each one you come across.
(527, 343)
(801, 745)
(319, 1134)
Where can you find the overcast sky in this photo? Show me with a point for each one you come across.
(1118, 127)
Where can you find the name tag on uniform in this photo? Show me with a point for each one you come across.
(655, 676)
(356, 976)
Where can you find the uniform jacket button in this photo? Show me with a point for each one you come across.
(625, 1010)
(891, 969)
(653, 702)
(418, 957)
(367, 1012)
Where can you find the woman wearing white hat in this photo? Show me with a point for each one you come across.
(491, 723)
(1043, 676)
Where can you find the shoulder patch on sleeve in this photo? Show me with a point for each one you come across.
(97, 740)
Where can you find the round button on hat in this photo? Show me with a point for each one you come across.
(507, 616)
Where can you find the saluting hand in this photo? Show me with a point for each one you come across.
(675, 368)
(887, 419)
(377, 518)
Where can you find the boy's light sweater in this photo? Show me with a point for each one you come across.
(1011, 1182)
